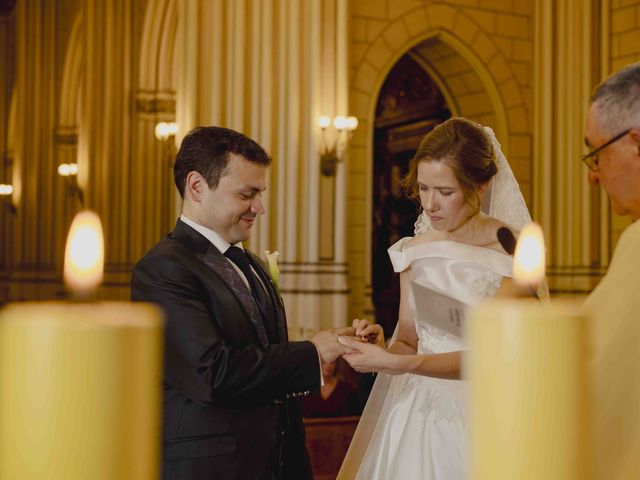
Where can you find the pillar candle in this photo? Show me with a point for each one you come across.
(528, 391)
(80, 382)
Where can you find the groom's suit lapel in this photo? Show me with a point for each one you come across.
(218, 264)
(276, 301)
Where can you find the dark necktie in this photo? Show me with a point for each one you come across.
(241, 259)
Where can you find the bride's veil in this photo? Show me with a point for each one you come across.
(503, 201)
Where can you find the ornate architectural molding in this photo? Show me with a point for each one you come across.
(155, 102)
(66, 135)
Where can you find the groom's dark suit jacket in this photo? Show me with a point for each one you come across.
(229, 391)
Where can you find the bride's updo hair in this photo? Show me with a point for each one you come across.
(465, 147)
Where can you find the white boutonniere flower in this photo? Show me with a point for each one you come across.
(272, 265)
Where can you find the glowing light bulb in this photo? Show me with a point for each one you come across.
(351, 123)
(340, 122)
(324, 121)
(64, 170)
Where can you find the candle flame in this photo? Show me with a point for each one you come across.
(84, 254)
(529, 257)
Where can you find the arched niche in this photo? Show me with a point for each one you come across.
(476, 81)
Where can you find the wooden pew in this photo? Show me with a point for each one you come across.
(327, 441)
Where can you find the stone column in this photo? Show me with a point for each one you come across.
(572, 214)
(34, 174)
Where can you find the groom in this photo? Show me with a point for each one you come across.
(231, 376)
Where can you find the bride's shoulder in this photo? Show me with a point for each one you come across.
(424, 237)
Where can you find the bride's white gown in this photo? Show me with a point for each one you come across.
(421, 430)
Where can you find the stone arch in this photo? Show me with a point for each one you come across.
(422, 31)
(471, 71)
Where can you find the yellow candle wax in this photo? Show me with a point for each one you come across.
(528, 391)
(80, 391)
(80, 383)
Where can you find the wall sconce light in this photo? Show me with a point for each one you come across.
(6, 191)
(164, 130)
(332, 153)
(70, 171)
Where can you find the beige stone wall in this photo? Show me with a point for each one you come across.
(479, 52)
(625, 33)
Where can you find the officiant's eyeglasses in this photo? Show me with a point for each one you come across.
(591, 158)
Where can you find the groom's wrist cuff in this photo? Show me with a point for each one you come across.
(320, 364)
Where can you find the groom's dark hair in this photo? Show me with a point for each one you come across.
(206, 150)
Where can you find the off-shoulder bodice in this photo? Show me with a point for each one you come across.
(467, 273)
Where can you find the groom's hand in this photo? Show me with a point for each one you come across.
(328, 347)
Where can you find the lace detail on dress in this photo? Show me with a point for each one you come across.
(422, 224)
(445, 399)
(434, 340)
(485, 285)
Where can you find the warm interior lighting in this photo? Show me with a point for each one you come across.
(351, 123)
(333, 148)
(164, 130)
(324, 121)
(340, 122)
(84, 254)
(6, 190)
(68, 169)
(64, 170)
(529, 257)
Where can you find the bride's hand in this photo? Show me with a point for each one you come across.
(368, 357)
(372, 332)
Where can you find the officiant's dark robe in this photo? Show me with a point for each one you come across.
(230, 406)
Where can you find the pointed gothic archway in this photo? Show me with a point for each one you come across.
(476, 82)
(409, 106)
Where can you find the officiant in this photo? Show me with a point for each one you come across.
(612, 133)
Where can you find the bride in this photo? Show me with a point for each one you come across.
(415, 425)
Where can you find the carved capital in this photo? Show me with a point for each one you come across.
(66, 135)
(155, 102)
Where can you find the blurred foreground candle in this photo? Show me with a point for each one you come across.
(529, 393)
(80, 383)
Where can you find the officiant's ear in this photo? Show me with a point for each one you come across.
(635, 136)
(195, 186)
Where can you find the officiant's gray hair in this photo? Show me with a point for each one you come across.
(617, 100)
